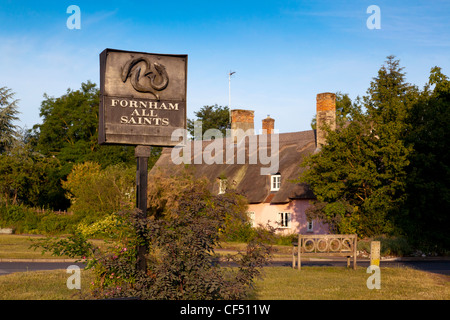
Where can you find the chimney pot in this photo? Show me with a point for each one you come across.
(268, 125)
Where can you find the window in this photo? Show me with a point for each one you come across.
(222, 186)
(275, 182)
(251, 217)
(309, 226)
(285, 219)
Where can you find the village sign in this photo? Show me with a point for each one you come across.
(142, 102)
(142, 97)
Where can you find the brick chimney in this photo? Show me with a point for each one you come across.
(268, 124)
(326, 116)
(241, 124)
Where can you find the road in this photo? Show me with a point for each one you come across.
(431, 265)
(10, 267)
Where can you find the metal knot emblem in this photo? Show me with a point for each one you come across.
(145, 75)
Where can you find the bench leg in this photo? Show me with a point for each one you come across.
(293, 257)
(299, 259)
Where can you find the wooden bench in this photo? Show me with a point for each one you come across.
(325, 245)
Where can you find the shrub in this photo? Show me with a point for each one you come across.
(15, 213)
(29, 220)
(286, 240)
(55, 223)
(389, 246)
(94, 190)
(180, 245)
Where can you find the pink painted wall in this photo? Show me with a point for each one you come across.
(266, 212)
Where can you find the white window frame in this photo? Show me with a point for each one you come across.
(222, 185)
(310, 226)
(285, 219)
(275, 182)
(251, 217)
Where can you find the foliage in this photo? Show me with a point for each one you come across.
(74, 246)
(425, 217)
(69, 133)
(93, 190)
(359, 177)
(180, 237)
(69, 129)
(385, 169)
(8, 114)
(167, 187)
(29, 178)
(100, 227)
(28, 220)
(348, 179)
(211, 117)
(389, 245)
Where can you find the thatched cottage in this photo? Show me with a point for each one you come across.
(262, 167)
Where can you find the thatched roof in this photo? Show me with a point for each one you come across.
(246, 178)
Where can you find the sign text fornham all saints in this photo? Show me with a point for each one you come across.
(142, 97)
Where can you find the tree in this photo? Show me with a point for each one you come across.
(211, 117)
(29, 178)
(426, 216)
(96, 191)
(8, 114)
(359, 177)
(69, 130)
(345, 181)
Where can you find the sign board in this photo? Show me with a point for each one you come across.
(142, 97)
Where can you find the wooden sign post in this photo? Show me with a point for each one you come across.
(375, 253)
(142, 153)
(142, 101)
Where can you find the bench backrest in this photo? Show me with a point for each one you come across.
(330, 244)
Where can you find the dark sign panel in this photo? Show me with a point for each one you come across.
(142, 97)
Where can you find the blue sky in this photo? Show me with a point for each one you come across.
(283, 52)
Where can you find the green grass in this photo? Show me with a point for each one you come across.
(18, 247)
(42, 285)
(279, 283)
(336, 283)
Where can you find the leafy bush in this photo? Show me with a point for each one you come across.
(389, 246)
(286, 240)
(93, 190)
(179, 240)
(29, 220)
(14, 213)
(55, 223)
